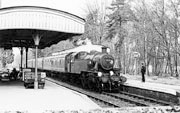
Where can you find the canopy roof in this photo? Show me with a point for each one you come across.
(18, 26)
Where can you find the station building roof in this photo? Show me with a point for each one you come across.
(18, 26)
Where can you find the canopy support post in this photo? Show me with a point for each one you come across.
(26, 57)
(21, 58)
(36, 41)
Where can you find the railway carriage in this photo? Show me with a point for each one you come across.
(40, 63)
(30, 63)
(89, 66)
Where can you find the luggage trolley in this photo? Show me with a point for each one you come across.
(29, 78)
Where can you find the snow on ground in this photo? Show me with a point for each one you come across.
(171, 84)
(53, 97)
(155, 79)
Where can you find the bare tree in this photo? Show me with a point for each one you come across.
(7, 57)
(174, 31)
(95, 23)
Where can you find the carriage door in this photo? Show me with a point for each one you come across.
(68, 59)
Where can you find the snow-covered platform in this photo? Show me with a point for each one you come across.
(14, 97)
(171, 89)
(159, 91)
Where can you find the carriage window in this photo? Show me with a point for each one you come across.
(51, 62)
(56, 62)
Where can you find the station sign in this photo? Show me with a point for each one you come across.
(136, 54)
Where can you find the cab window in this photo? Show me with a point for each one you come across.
(81, 55)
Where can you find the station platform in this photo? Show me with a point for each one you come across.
(171, 89)
(160, 91)
(14, 97)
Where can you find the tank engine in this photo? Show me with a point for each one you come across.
(91, 69)
(100, 74)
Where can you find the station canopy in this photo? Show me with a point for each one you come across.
(18, 26)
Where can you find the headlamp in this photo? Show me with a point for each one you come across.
(111, 73)
(99, 74)
(111, 62)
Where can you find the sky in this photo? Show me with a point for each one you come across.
(77, 7)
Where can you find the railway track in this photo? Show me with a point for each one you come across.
(150, 100)
(121, 99)
(137, 100)
(94, 96)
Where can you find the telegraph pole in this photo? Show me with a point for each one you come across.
(125, 58)
(145, 48)
(176, 42)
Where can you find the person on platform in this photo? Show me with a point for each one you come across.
(14, 73)
(143, 71)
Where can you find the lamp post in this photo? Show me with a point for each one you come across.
(36, 41)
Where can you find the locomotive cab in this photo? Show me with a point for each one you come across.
(76, 62)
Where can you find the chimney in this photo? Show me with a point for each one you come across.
(104, 49)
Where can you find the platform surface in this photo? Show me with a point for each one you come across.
(154, 86)
(13, 96)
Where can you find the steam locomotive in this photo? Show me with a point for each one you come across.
(90, 66)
